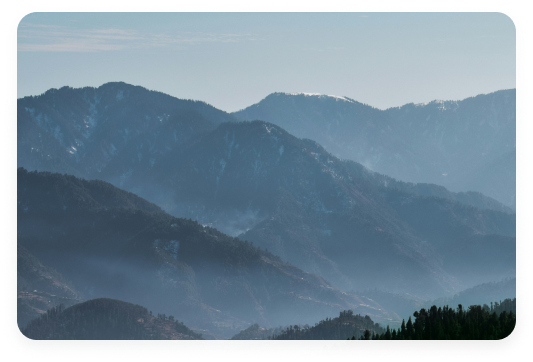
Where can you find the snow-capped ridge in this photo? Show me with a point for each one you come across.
(318, 95)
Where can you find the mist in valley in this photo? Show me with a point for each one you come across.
(224, 231)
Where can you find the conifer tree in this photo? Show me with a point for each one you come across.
(410, 329)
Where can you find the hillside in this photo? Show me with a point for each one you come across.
(331, 217)
(255, 332)
(79, 131)
(125, 248)
(345, 326)
(40, 288)
(106, 319)
(482, 294)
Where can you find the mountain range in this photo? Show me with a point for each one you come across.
(113, 244)
(466, 145)
(186, 183)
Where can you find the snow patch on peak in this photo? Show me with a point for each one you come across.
(341, 98)
(120, 95)
(320, 96)
(441, 105)
(302, 93)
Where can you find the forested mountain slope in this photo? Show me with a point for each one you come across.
(79, 131)
(330, 217)
(113, 244)
(106, 319)
(40, 288)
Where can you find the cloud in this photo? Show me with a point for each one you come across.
(39, 38)
(52, 38)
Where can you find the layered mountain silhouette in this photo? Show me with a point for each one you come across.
(467, 145)
(113, 244)
(331, 219)
(82, 131)
(334, 218)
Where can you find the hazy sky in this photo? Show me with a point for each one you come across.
(232, 60)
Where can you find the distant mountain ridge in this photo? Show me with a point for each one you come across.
(449, 143)
(79, 131)
(330, 217)
(89, 132)
(320, 213)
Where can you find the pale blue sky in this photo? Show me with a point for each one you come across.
(232, 60)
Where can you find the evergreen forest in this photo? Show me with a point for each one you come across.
(476, 322)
